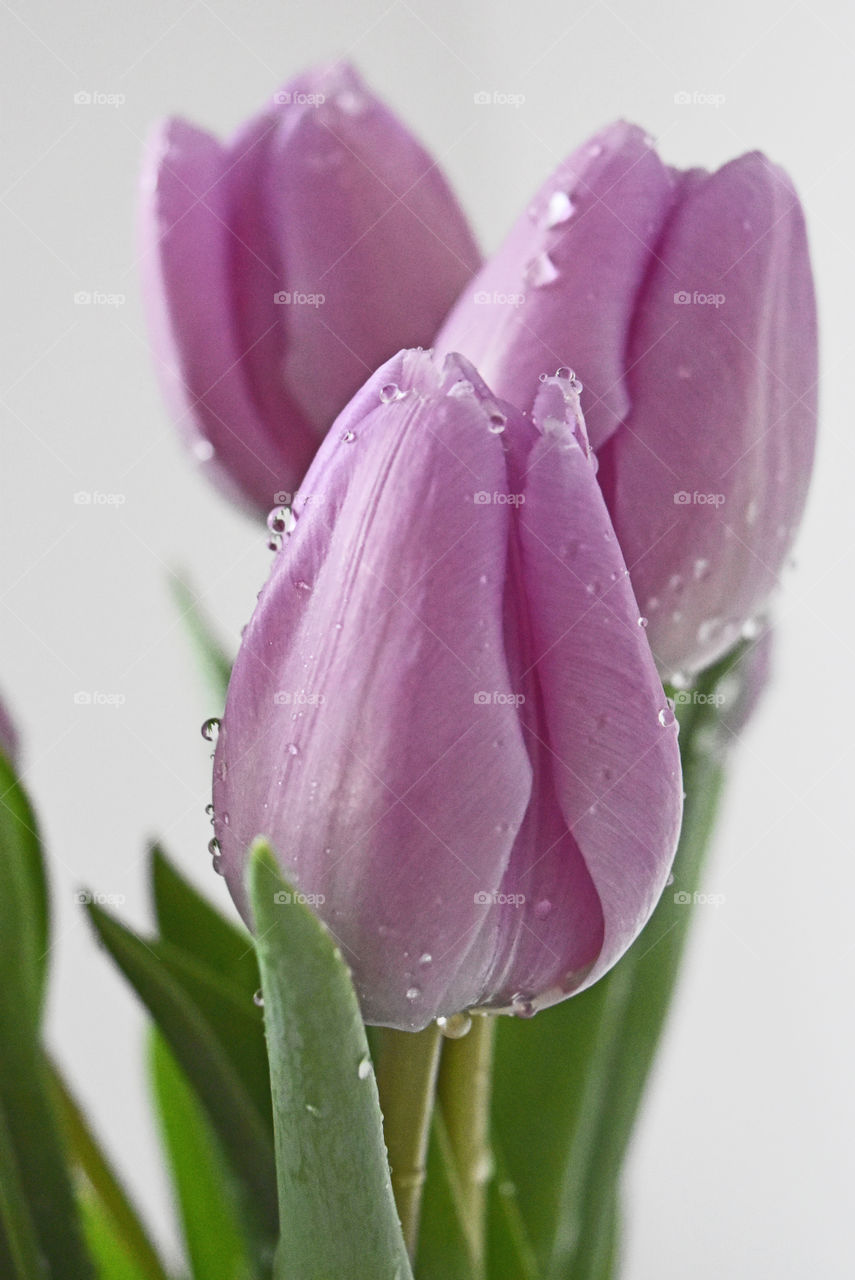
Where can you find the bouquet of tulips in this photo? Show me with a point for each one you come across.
(527, 516)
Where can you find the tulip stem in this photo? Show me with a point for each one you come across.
(406, 1080)
(464, 1091)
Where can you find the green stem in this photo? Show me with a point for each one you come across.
(465, 1083)
(406, 1081)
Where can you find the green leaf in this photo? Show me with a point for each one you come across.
(215, 660)
(20, 1245)
(113, 1261)
(163, 979)
(189, 921)
(444, 1252)
(569, 1084)
(35, 1181)
(509, 1252)
(205, 1194)
(335, 1197)
(107, 1209)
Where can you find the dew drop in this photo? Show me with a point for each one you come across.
(496, 423)
(642, 622)
(700, 569)
(258, 998)
(425, 958)
(349, 437)
(595, 149)
(541, 271)
(274, 542)
(390, 392)
(455, 1027)
(666, 715)
(293, 749)
(312, 1110)
(363, 1071)
(523, 1006)
(752, 511)
(209, 810)
(211, 729)
(413, 993)
(301, 585)
(277, 520)
(559, 210)
(564, 374)
(214, 847)
(351, 102)
(670, 880)
(543, 909)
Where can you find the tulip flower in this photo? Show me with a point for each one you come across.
(444, 714)
(281, 268)
(684, 302)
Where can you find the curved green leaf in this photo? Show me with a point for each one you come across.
(209, 1211)
(335, 1195)
(209, 1067)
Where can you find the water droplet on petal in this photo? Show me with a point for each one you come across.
(349, 437)
(209, 810)
(203, 449)
(313, 1111)
(413, 993)
(456, 1026)
(666, 715)
(293, 749)
(301, 585)
(642, 622)
(425, 958)
(258, 998)
(278, 520)
(497, 422)
(390, 392)
(559, 210)
(523, 1006)
(211, 729)
(543, 909)
(274, 542)
(541, 271)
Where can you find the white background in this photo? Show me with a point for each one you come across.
(743, 1164)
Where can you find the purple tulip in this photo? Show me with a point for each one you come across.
(282, 268)
(685, 303)
(444, 714)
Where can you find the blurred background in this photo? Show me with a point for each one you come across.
(744, 1161)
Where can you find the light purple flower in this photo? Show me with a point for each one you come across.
(281, 268)
(684, 302)
(444, 714)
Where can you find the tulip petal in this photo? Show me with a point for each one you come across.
(186, 283)
(604, 743)
(561, 289)
(367, 227)
(400, 792)
(707, 480)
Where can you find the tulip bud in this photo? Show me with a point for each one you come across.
(444, 715)
(685, 304)
(282, 268)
